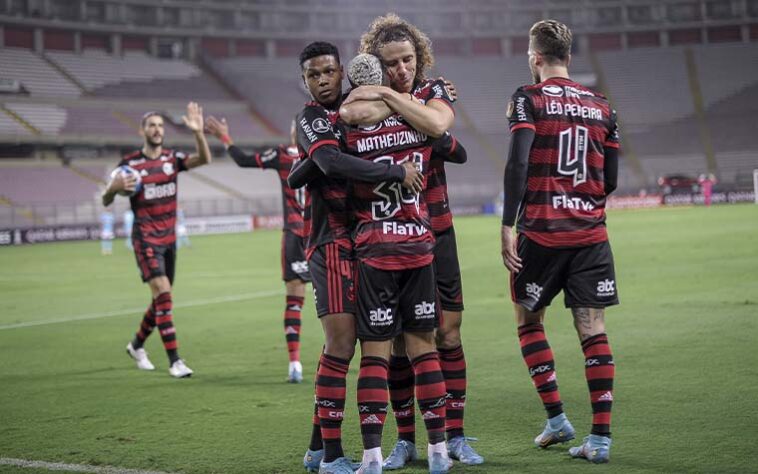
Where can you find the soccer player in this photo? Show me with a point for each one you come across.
(182, 235)
(128, 223)
(563, 163)
(406, 55)
(153, 234)
(329, 246)
(294, 264)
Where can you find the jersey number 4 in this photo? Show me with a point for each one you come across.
(572, 160)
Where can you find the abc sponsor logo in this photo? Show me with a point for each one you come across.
(606, 287)
(425, 310)
(380, 317)
(533, 290)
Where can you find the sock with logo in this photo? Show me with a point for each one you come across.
(539, 359)
(316, 442)
(165, 323)
(453, 364)
(330, 397)
(431, 394)
(372, 400)
(600, 371)
(146, 327)
(401, 384)
(292, 325)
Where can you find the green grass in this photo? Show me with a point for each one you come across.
(684, 339)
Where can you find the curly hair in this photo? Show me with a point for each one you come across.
(390, 27)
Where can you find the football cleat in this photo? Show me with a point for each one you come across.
(439, 462)
(403, 452)
(179, 370)
(295, 373)
(312, 459)
(550, 436)
(140, 356)
(596, 449)
(339, 466)
(459, 449)
(374, 467)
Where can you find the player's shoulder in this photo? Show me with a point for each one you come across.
(131, 159)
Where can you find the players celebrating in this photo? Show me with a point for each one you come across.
(563, 162)
(294, 265)
(153, 234)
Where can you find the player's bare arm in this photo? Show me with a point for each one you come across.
(194, 121)
(433, 118)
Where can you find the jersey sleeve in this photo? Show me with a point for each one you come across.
(181, 164)
(520, 111)
(438, 91)
(613, 140)
(314, 129)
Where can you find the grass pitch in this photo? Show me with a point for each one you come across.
(684, 340)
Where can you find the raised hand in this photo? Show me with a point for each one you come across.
(217, 128)
(194, 118)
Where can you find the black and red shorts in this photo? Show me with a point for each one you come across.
(294, 263)
(585, 274)
(391, 302)
(447, 271)
(331, 269)
(155, 260)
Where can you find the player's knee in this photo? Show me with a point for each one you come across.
(419, 343)
(449, 338)
(295, 288)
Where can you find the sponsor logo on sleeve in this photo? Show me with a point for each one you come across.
(320, 125)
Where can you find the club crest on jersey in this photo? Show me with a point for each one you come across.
(168, 168)
(320, 125)
(553, 91)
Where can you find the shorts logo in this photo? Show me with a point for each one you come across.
(425, 310)
(299, 267)
(320, 125)
(380, 317)
(533, 290)
(606, 287)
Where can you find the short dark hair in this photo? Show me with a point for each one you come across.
(147, 115)
(319, 48)
(552, 39)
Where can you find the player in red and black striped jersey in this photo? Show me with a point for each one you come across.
(153, 232)
(294, 264)
(563, 163)
(405, 54)
(329, 248)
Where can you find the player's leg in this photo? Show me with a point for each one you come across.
(332, 276)
(401, 383)
(419, 319)
(295, 298)
(532, 289)
(135, 348)
(160, 286)
(450, 346)
(295, 275)
(590, 288)
(378, 324)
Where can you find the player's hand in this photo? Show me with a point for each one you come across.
(364, 93)
(217, 128)
(122, 182)
(450, 88)
(414, 180)
(511, 259)
(194, 118)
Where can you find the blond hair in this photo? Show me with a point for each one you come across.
(389, 28)
(552, 39)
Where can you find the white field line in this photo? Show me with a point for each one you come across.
(123, 312)
(59, 466)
